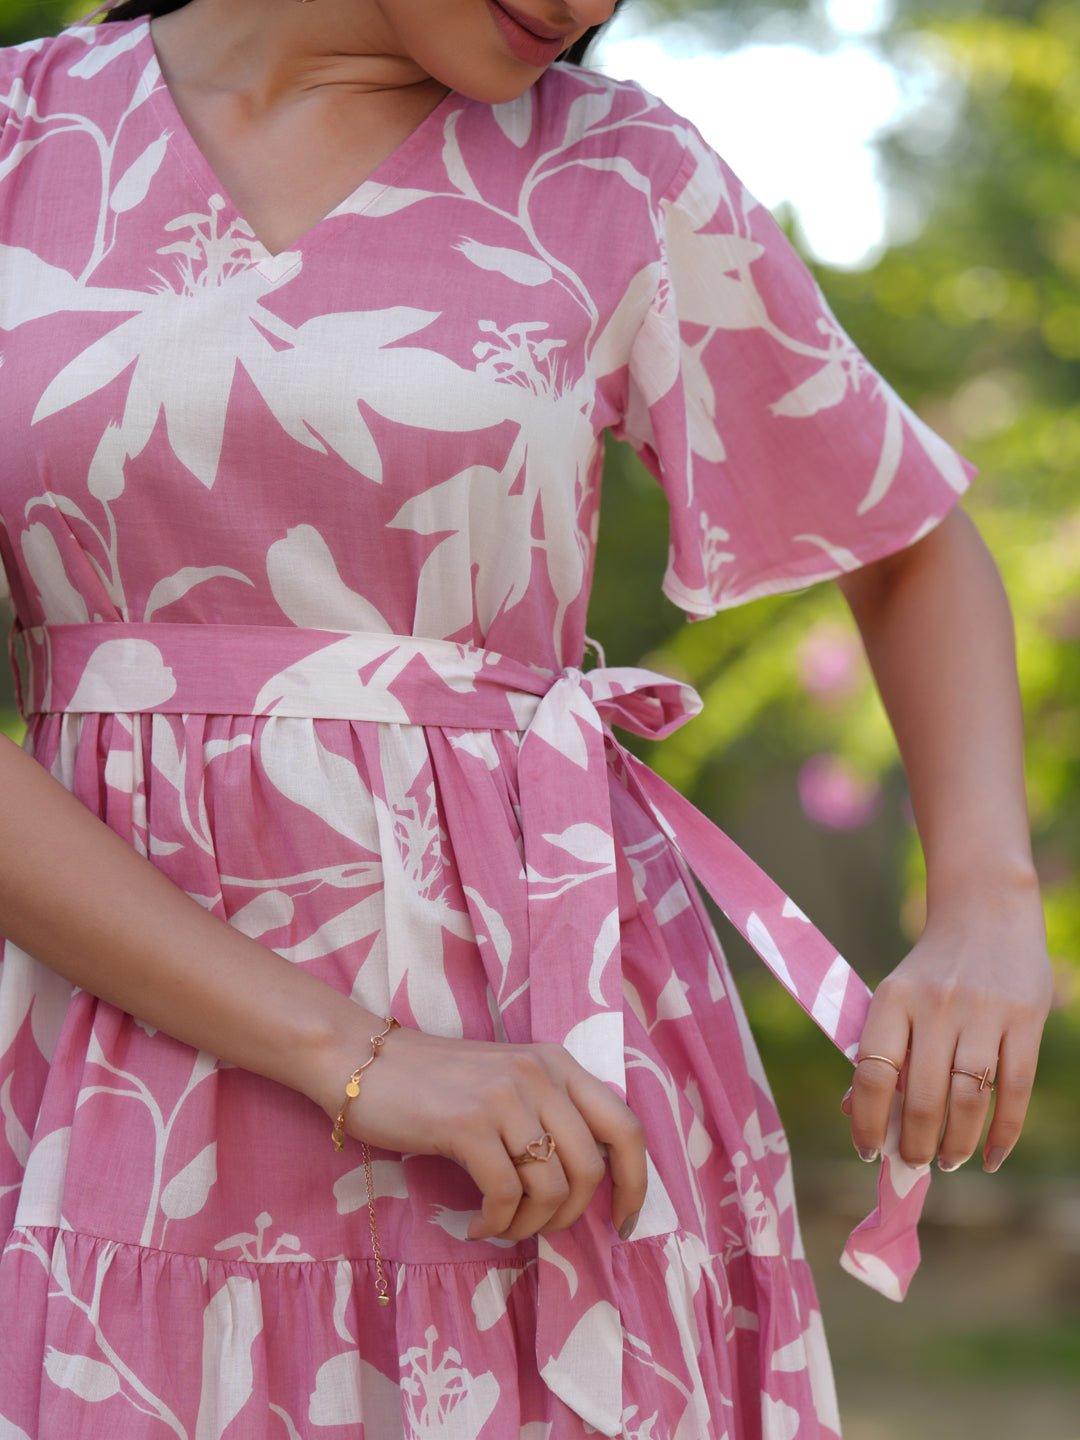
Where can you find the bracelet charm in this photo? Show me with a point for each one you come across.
(352, 1090)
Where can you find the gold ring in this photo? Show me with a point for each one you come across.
(983, 1079)
(540, 1149)
(893, 1063)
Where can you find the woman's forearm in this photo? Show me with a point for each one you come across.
(79, 899)
(938, 632)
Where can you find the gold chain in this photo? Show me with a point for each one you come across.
(381, 1296)
(352, 1090)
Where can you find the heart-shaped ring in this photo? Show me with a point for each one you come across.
(541, 1149)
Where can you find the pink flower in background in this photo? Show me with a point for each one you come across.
(834, 794)
(830, 662)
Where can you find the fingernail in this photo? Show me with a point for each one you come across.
(847, 1097)
(994, 1159)
(867, 1154)
(629, 1225)
(949, 1166)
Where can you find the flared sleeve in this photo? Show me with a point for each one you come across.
(785, 457)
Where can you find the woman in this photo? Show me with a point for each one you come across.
(313, 317)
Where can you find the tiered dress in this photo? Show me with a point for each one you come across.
(300, 547)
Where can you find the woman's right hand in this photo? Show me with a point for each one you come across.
(481, 1103)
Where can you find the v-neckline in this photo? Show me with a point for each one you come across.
(391, 170)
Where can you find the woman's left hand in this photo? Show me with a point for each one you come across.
(975, 990)
(971, 997)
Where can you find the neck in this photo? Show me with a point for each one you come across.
(271, 51)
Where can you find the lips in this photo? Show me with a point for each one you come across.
(530, 22)
(526, 38)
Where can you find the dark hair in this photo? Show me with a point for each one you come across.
(132, 9)
(576, 54)
(578, 51)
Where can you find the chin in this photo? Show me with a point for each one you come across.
(498, 86)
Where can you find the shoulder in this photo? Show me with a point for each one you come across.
(62, 63)
(578, 116)
(89, 74)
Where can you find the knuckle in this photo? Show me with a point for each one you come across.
(943, 991)
(892, 990)
(626, 1128)
(523, 1069)
(548, 1056)
(921, 1110)
(874, 1079)
(1007, 1131)
(537, 1068)
(549, 1190)
(506, 1192)
(966, 1098)
(592, 1173)
(560, 1191)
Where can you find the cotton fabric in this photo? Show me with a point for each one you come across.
(296, 543)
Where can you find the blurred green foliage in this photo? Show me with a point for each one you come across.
(976, 320)
(23, 19)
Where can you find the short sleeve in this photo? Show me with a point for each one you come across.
(785, 457)
(12, 108)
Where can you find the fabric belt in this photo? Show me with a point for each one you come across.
(575, 979)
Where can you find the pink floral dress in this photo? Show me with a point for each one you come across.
(300, 547)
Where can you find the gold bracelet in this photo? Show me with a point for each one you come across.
(352, 1090)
